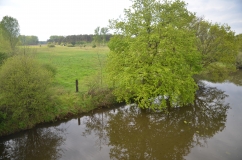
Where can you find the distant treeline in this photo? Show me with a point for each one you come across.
(28, 40)
(74, 39)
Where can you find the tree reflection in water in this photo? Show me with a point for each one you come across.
(133, 133)
(36, 144)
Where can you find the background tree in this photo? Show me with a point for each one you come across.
(11, 27)
(153, 54)
(100, 35)
(97, 36)
(217, 45)
(73, 39)
(104, 32)
(29, 40)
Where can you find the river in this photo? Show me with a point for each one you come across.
(209, 129)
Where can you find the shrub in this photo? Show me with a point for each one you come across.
(100, 95)
(25, 95)
(51, 45)
(94, 46)
(70, 45)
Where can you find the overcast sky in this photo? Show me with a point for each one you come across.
(44, 18)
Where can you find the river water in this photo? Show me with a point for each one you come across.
(209, 129)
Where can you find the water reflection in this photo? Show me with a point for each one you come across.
(133, 133)
(236, 78)
(35, 144)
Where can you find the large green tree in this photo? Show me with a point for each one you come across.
(153, 54)
(12, 31)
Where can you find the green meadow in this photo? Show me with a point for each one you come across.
(72, 63)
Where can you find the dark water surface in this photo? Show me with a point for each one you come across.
(210, 129)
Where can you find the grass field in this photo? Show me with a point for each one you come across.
(73, 63)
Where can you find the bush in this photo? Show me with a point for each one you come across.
(70, 45)
(51, 45)
(25, 95)
(100, 95)
(94, 46)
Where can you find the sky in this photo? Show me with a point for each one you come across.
(44, 18)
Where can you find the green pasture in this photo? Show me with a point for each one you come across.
(73, 63)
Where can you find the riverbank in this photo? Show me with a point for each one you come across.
(69, 64)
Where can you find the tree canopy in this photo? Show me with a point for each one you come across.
(153, 55)
(29, 40)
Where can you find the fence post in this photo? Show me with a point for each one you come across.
(76, 85)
